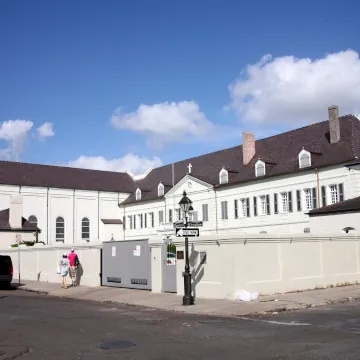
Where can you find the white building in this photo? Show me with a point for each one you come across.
(268, 185)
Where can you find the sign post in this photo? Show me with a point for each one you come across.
(18, 240)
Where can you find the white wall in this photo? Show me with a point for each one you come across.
(72, 205)
(270, 264)
(330, 223)
(39, 262)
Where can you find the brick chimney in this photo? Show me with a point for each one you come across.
(334, 124)
(248, 146)
(15, 212)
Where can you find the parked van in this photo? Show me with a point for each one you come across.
(6, 271)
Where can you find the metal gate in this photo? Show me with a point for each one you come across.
(126, 264)
(169, 268)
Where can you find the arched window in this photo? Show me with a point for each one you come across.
(161, 190)
(85, 228)
(223, 176)
(138, 194)
(60, 229)
(259, 168)
(304, 159)
(33, 220)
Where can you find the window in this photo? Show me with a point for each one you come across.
(33, 220)
(205, 212)
(193, 216)
(224, 210)
(160, 189)
(286, 202)
(130, 222)
(170, 216)
(140, 220)
(138, 194)
(304, 159)
(161, 217)
(85, 228)
(308, 199)
(244, 208)
(60, 229)
(259, 168)
(264, 205)
(223, 176)
(178, 213)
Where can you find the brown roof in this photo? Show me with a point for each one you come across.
(5, 224)
(282, 150)
(111, 221)
(23, 174)
(350, 205)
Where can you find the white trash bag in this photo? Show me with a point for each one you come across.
(243, 295)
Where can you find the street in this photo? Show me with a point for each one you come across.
(43, 327)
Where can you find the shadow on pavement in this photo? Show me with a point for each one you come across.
(14, 286)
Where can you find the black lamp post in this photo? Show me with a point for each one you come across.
(185, 206)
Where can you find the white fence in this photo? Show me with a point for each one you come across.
(39, 262)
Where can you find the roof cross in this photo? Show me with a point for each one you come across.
(189, 167)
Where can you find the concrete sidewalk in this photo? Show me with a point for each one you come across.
(172, 302)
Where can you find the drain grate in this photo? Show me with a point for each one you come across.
(117, 344)
(214, 321)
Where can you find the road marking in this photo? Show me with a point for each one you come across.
(292, 323)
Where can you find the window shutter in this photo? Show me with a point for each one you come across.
(341, 192)
(145, 220)
(290, 201)
(152, 220)
(134, 221)
(161, 216)
(268, 204)
(195, 216)
(314, 198)
(247, 207)
(236, 211)
(124, 223)
(170, 216)
(323, 195)
(205, 216)
(298, 200)
(255, 206)
(276, 207)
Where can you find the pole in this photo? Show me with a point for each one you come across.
(188, 299)
(19, 260)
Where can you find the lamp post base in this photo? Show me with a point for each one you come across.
(188, 299)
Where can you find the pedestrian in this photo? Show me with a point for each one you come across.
(64, 269)
(74, 263)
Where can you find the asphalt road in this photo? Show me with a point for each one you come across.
(42, 327)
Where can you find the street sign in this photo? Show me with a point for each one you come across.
(195, 223)
(187, 232)
(178, 224)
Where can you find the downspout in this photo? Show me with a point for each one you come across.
(318, 187)
(216, 212)
(47, 217)
(74, 216)
(98, 217)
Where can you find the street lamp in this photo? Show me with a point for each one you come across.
(185, 206)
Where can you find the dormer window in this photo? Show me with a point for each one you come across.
(138, 194)
(304, 159)
(259, 168)
(160, 189)
(223, 176)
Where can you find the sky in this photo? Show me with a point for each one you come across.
(135, 84)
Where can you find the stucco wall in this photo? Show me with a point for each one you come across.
(268, 264)
(39, 262)
(334, 223)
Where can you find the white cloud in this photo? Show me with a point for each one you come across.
(15, 133)
(136, 164)
(287, 89)
(166, 122)
(45, 130)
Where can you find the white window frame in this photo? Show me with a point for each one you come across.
(223, 176)
(33, 220)
(301, 154)
(336, 186)
(161, 189)
(262, 205)
(242, 208)
(60, 220)
(284, 202)
(85, 223)
(138, 194)
(130, 222)
(308, 199)
(257, 164)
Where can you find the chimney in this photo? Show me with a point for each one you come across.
(334, 123)
(248, 146)
(15, 216)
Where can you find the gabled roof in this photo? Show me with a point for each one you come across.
(23, 174)
(350, 205)
(5, 224)
(280, 153)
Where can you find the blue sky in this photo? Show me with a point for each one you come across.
(130, 84)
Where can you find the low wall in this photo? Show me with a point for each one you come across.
(39, 262)
(269, 264)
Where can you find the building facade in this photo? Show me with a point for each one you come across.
(263, 186)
